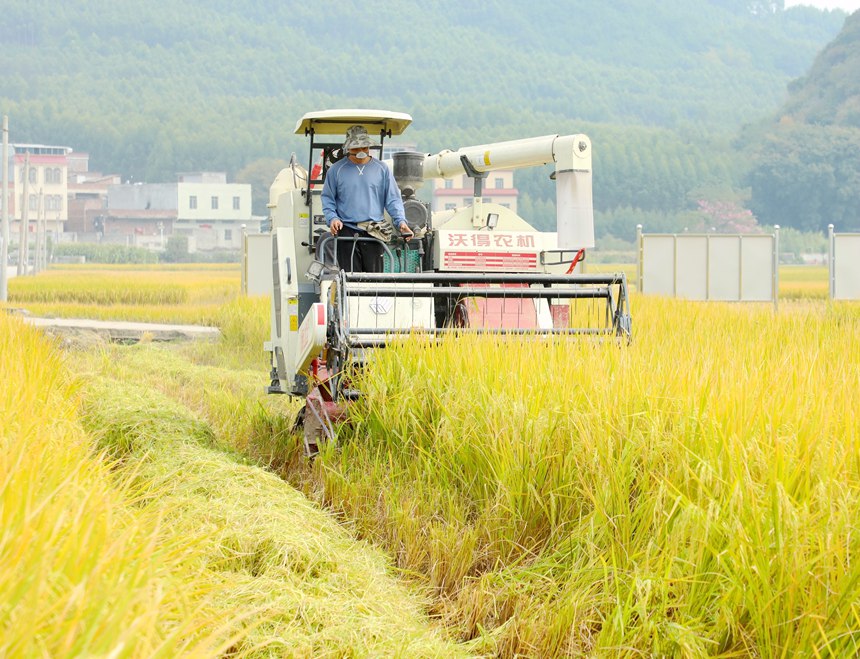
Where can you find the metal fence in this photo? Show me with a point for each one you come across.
(844, 260)
(724, 267)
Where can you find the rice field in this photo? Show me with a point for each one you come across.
(692, 494)
(803, 282)
(133, 526)
(85, 570)
(186, 293)
(195, 293)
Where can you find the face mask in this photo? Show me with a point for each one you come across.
(361, 155)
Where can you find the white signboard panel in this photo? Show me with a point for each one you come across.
(845, 266)
(490, 251)
(258, 264)
(658, 265)
(691, 280)
(757, 265)
(724, 267)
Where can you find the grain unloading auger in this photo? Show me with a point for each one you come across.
(479, 268)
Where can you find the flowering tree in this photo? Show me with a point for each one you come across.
(725, 217)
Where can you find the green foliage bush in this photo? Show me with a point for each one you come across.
(793, 244)
(217, 256)
(176, 250)
(104, 253)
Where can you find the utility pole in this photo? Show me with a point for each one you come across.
(37, 258)
(43, 262)
(23, 240)
(4, 249)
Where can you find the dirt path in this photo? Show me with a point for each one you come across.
(122, 331)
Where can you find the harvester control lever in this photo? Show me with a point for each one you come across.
(473, 173)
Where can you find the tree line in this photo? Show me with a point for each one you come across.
(662, 88)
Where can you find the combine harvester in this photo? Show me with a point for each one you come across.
(476, 269)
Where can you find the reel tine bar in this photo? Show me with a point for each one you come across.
(497, 303)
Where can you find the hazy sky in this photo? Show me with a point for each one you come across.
(847, 5)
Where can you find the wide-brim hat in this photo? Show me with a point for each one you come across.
(357, 138)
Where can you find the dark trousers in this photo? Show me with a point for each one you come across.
(358, 255)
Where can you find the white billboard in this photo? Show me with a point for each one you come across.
(726, 267)
(844, 265)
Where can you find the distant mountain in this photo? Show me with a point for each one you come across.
(153, 88)
(830, 93)
(806, 169)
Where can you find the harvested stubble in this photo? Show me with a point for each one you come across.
(695, 493)
(307, 588)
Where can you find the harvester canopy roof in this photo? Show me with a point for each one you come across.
(336, 122)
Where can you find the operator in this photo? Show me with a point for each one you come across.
(356, 191)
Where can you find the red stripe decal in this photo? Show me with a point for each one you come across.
(490, 260)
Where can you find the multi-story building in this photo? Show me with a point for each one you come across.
(458, 191)
(202, 206)
(88, 193)
(212, 210)
(46, 186)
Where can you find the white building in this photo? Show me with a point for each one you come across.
(212, 210)
(201, 205)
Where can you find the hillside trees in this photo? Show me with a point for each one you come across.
(807, 177)
(805, 170)
(156, 88)
(830, 92)
(259, 174)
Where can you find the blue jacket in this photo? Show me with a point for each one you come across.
(357, 193)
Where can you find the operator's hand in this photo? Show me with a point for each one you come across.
(335, 226)
(405, 231)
